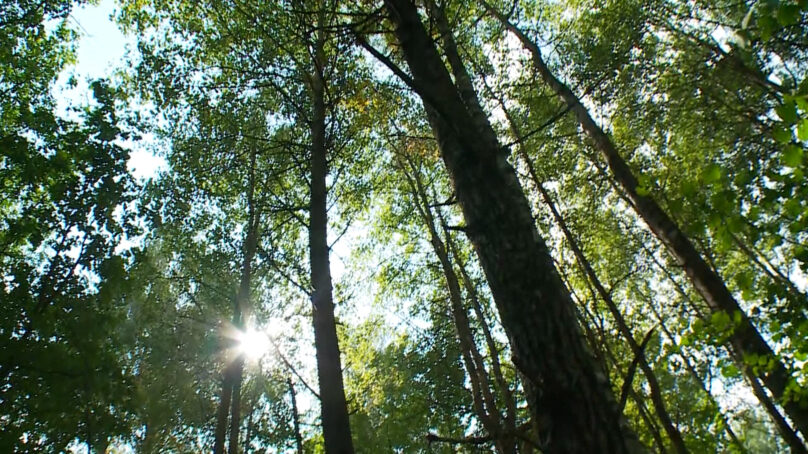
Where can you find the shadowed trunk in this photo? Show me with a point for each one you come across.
(336, 427)
(295, 417)
(574, 406)
(231, 384)
(745, 339)
(235, 407)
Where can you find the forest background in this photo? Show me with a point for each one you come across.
(459, 226)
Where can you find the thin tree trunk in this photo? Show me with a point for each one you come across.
(483, 399)
(672, 431)
(695, 375)
(335, 422)
(656, 392)
(295, 417)
(224, 409)
(745, 338)
(600, 341)
(249, 434)
(235, 361)
(493, 351)
(792, 439)
(235, 408)
(576, 410)
(759, 259)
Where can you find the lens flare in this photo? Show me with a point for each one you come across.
(254, 344)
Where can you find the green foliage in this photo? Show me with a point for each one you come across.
(105, 342)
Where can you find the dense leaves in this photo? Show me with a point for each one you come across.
(118, 297)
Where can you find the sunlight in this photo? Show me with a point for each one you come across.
(254, 344)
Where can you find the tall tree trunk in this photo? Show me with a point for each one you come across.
(235, 408)
(224, 409)
(295, 417)
(336, 426)
(241, 308)
(493, 351)
(483, 399)
(745, 338)
(575, 408)
(673, 432)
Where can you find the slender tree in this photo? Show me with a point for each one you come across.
(534, 305)
(745, 339)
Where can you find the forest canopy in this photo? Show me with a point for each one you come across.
(406, 226)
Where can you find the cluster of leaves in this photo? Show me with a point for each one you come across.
(102, 343)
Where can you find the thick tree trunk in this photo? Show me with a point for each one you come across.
(575, 408)
(336, 426)
(745, 338)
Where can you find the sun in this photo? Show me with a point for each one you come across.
(253, 343)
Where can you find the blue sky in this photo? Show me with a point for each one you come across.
(101, 51)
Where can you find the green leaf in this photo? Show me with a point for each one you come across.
(788, 14)
(711, 174)
(781, 134)
(642, 191)
(792, 156)
(767, 26)
(720, 319)
(689, 188)
(730, 371)
(787, 112)
(802, 100)
(802, 129)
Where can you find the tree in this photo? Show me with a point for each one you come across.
(408, 226)
(523, 280)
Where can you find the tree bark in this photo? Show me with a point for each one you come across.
(336, 426)
(575, 408)
(483, 399)
(745, 339)
(235, 407)
(295, 417)
(220, 432)
(233, 370)
(493, 351)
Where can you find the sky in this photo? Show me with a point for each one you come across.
(102, 49)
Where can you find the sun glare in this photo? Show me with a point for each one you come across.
(254, 344)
